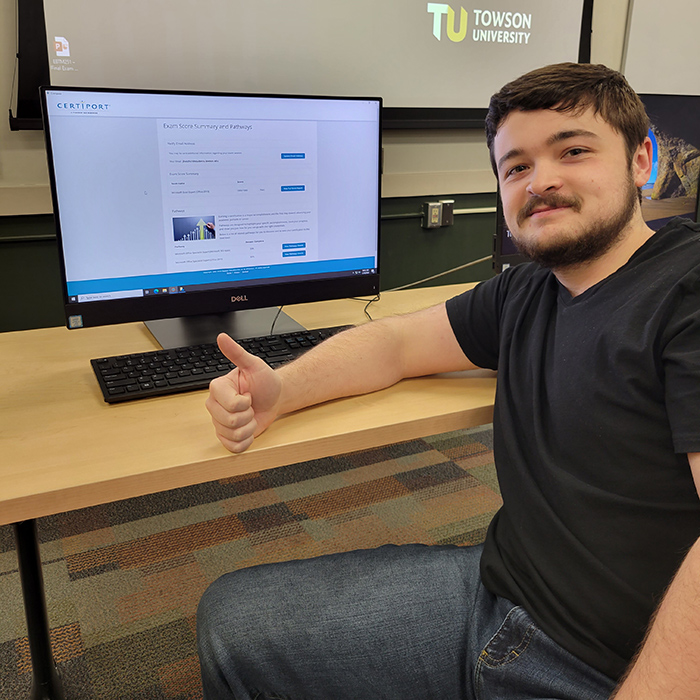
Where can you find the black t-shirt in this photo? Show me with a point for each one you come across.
(597, 404)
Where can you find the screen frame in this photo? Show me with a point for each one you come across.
(210, 301)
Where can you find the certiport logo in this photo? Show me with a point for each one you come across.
(83, 107)
(493, 26)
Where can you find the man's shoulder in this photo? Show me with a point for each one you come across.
(675, 248)
(676, 233)
(512, 286)
(680, 222)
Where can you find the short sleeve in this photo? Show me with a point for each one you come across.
(475, 317)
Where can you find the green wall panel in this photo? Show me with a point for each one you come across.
(30, 279)
(409, 253)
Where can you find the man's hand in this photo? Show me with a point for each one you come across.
(242, 403)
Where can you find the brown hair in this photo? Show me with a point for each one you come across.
(572, 87)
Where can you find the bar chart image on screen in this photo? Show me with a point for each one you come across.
(175, 205)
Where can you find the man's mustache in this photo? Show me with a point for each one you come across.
(548, 201)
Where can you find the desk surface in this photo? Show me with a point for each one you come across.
(63, 448)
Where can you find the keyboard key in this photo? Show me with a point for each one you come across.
(179, 381)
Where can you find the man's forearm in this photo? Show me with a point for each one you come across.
(668, 665)
(371, 357)
(355, 362)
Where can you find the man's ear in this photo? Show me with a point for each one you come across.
(642, 162)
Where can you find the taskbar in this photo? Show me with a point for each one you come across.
(183, 289)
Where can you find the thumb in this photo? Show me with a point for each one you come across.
(234, 352)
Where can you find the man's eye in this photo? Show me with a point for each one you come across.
(515, 170)
(576, 151)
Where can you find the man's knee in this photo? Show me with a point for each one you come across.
(229, 604)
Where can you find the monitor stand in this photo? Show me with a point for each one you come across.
(248, 323)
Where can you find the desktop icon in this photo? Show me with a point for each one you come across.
(61, 47)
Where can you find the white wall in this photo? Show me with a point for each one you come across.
(416, 163)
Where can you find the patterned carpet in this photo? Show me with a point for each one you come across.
(123, 580)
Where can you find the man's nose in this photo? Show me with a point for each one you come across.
(544, 179)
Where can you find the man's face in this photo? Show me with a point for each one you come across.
(568, 189)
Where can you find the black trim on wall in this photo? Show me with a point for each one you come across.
(432, 118)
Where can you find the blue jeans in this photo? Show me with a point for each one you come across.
(408, 622)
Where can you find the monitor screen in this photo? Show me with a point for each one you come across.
(672, 189)
(174, 204)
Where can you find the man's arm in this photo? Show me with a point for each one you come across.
(668, 665)
(361, 360)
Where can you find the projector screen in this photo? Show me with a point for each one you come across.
(413, 53)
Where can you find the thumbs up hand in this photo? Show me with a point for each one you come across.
(244, 402)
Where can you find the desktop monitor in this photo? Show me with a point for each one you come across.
(178, 208)
(672, 189)
(505, 252)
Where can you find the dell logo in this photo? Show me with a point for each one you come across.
(243, 297)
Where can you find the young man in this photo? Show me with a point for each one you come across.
(597, 444)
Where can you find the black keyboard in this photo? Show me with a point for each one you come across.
(140, 375)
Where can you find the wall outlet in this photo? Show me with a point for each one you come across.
(432, 215)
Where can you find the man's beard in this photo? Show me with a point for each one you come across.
(589, 245)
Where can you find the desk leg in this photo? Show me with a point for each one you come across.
(46, 685)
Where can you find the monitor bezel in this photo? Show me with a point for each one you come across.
(252, 295)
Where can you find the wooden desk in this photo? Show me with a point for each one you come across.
(63, 448)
